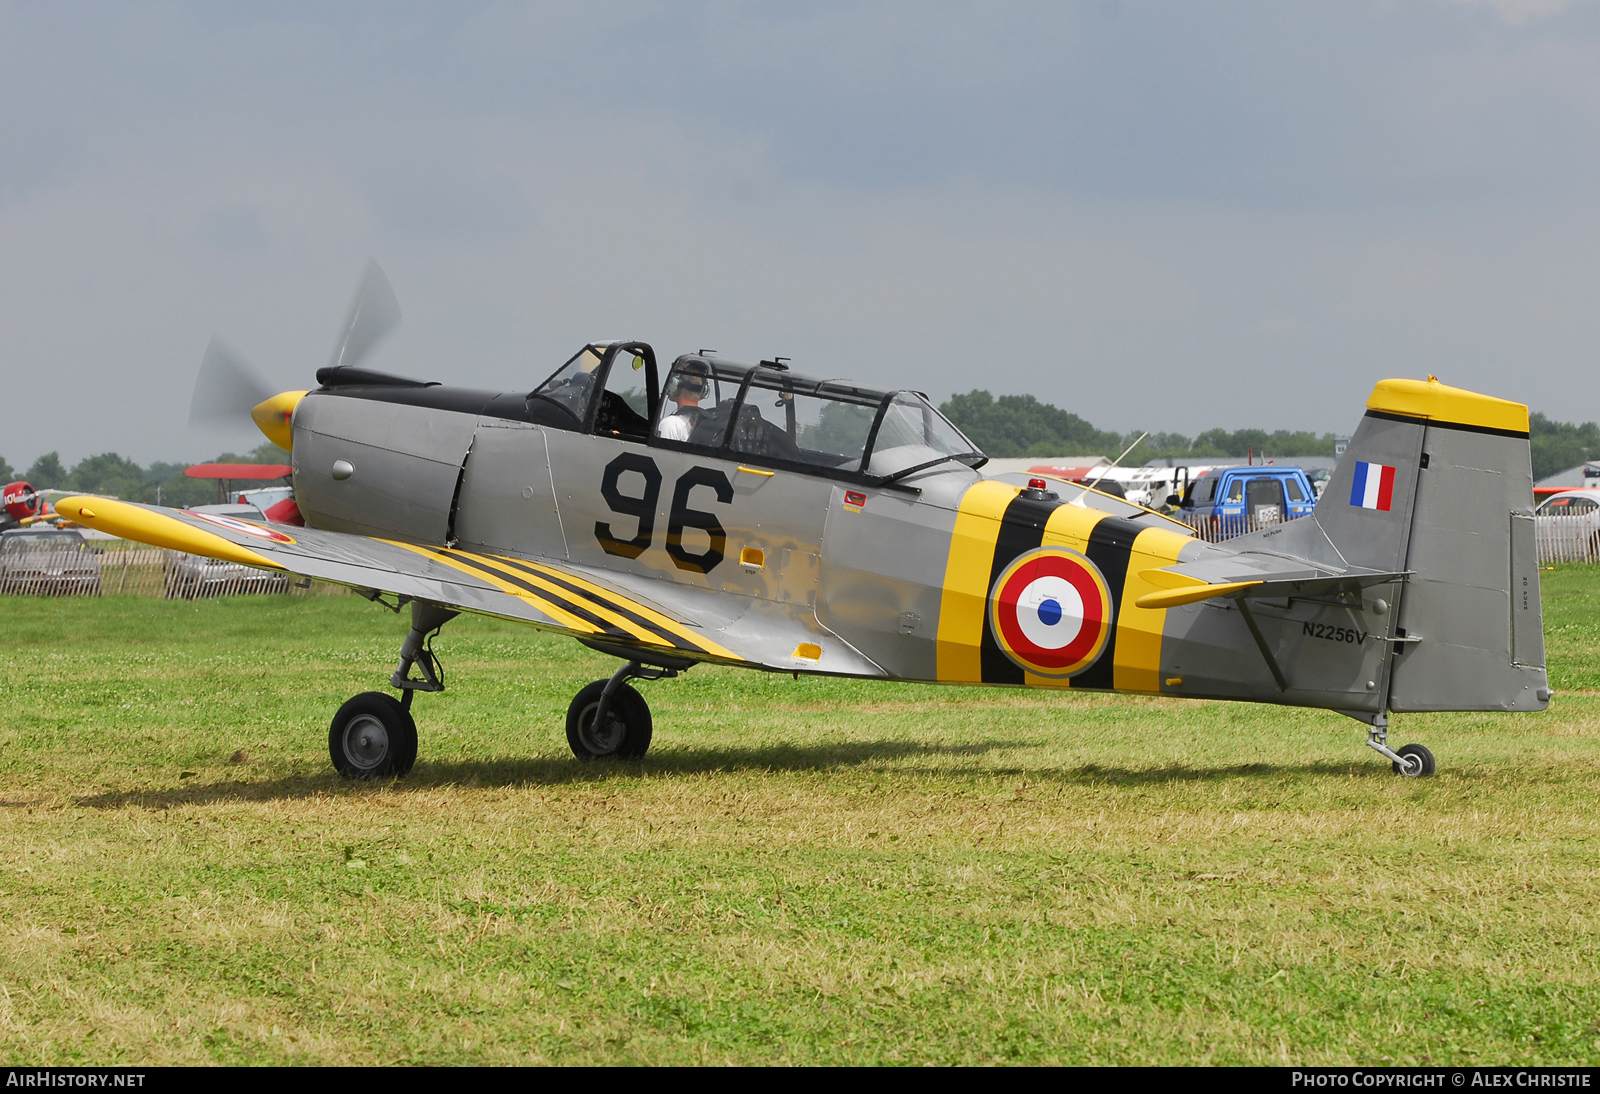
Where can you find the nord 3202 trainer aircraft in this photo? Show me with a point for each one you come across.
(747, 515)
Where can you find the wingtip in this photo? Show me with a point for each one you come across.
(148, 524)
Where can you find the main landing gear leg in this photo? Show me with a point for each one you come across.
(1412, 761)
(610, 719)
(426, 619)
(373, 736)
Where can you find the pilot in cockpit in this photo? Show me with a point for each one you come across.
(688, 385)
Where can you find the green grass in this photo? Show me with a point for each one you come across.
(805, 871)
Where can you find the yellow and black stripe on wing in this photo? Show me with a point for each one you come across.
(645, 623)
(577, 604)
(583, 622)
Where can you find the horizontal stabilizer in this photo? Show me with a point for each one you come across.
(1192, 594)
(1192, 591)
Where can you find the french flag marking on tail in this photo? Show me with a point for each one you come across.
(1374, 486)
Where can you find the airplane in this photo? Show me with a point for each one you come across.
(745, 514)
(20, 505)
(23, 506)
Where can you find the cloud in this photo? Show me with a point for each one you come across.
(437, 183)
(1517, 12)
(232, 228)
(1182, 217)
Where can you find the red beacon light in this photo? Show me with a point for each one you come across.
(1036, 484)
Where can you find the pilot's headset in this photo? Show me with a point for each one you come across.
(690, 378)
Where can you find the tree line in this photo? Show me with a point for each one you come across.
(1021, 425)
(115, 476)
(1560, 445)
(1008, 425)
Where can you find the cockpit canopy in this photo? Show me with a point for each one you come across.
(762, 413)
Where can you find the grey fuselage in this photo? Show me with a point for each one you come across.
(902, 576)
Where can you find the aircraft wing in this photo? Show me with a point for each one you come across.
(621, 613)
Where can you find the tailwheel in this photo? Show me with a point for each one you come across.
(1417, 762)
(623, 733)
(1412, 761)
(372, 737)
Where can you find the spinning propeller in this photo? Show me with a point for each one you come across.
(229, 387)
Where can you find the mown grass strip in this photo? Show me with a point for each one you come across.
(812, 872)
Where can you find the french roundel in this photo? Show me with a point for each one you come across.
(242, 526)
(1051, 612)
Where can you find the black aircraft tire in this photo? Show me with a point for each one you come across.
(628, 724)
(372, 737)
(1420, 753)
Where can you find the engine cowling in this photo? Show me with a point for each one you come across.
(21, 501)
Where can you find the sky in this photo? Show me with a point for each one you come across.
(1167, 216)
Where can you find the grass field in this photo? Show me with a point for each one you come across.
(802, 871)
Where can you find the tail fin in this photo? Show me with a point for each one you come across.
(1437, 481)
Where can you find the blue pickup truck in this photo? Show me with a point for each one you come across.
(1229, 501)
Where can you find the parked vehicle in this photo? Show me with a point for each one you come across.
(1136, 484)
(1105, 484)
(48, 562)
(1319, 480)
(1568, 526)
(1578, 499)
(1231, 501)
(186, 577)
